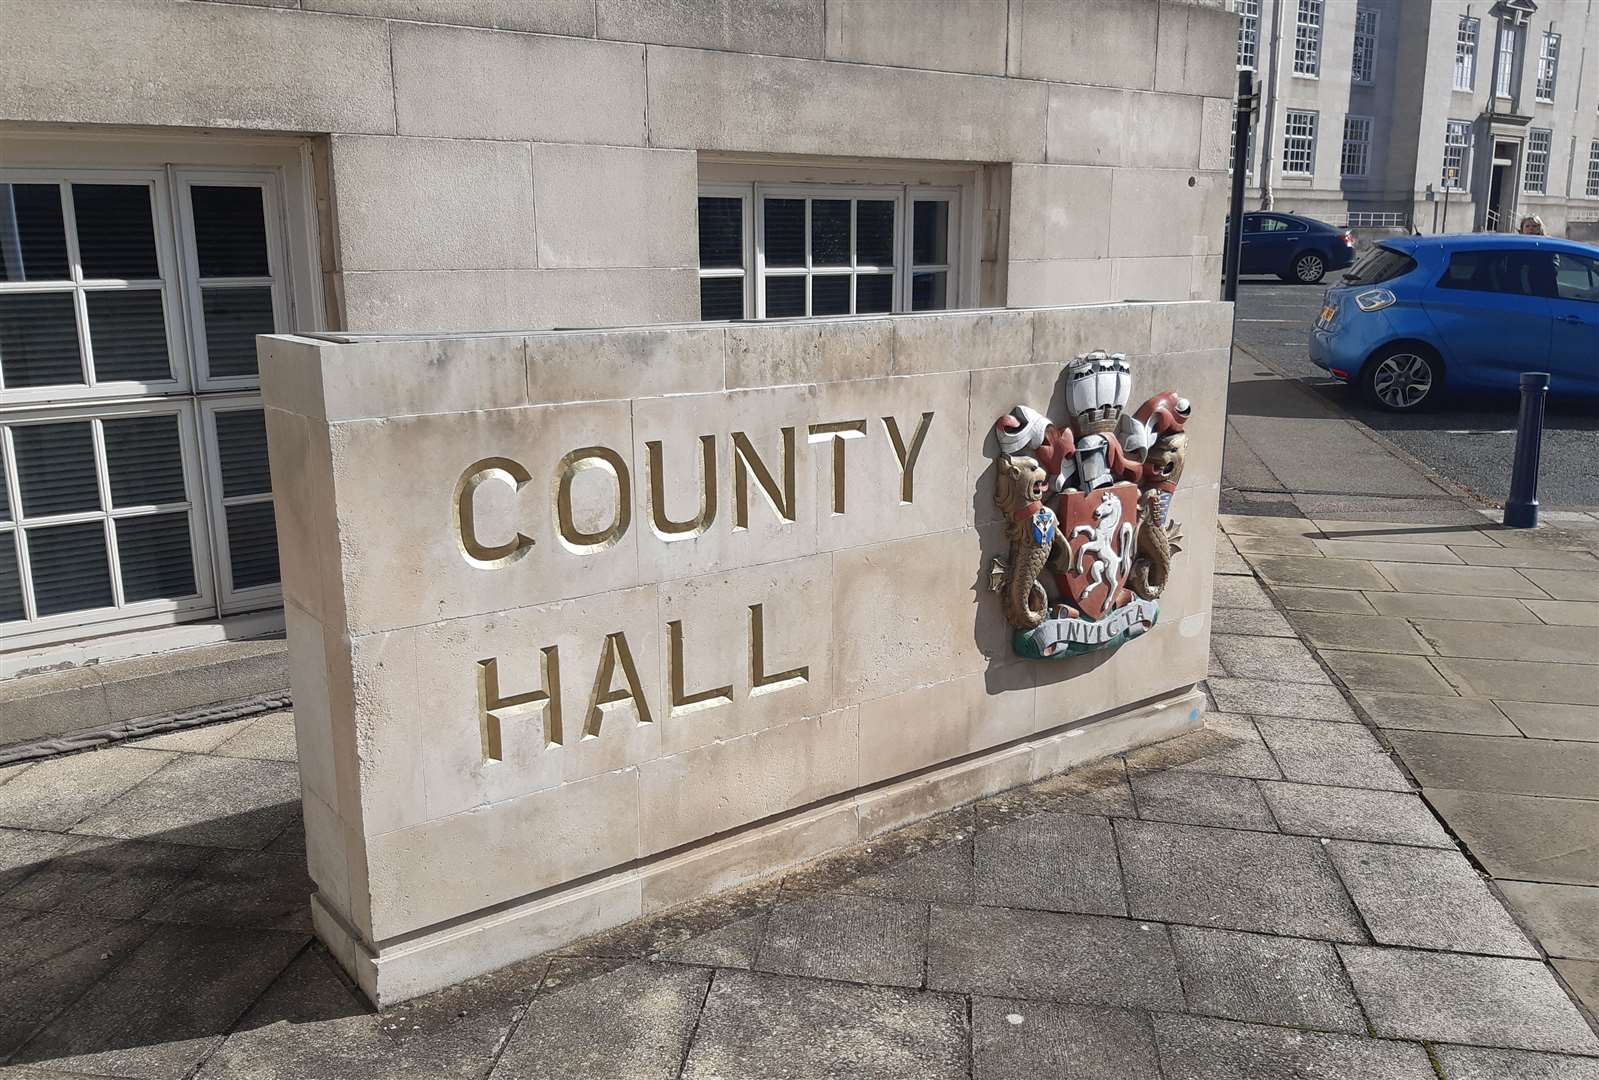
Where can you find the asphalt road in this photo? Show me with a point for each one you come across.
(1468, 441)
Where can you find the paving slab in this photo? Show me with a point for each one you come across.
(1487, 609)
(194, 740)
(1050, 862)
(1265, 979)
(1256, 621)
(1566, 584)
(1390, 817)
(1527, 558)
(1097, 788)
(1051, 956)
(1201, 799)
(943, 874)
(1561, 684)
(1276, 545)
(634, 1021)
(865, 939)
(1227, 745)
(1403, 532)
(732, 946)
(676, 926)
(1483, 1063)
(1564, 918)
(1429, 899)
(1565, 612)
(1583, 978)
(1319, 573)
(1234, 880)
(48, 959)
(1542, 720)
(781, 1028)
(1459, 580)
(1387, 551)
(1025, 1040)
(1450, 997)
(1529, 642)
(1386, 671)
(114, 878)
(1238, 525)
(271, 738)
(1240, 592)
(1371, 633)
(1567, 770)
(1193, 1048)
(25, 851)
(1228, 560)
(57, 793)
(1264, 697)
(1434, 712)
(1340, 601)
(1346, 507)
(215, 802)
(1525, 837)
(267, 890)
(1283, 658)
(1316, 752)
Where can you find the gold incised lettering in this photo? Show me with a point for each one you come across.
(907, 458)
(476, 552)
(838, 432)
(760, 682)
(614, 654)
(494, 710)
(746, 459)
(607, 461)
(664, 526)
(683, 702)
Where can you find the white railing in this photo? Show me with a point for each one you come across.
(1375, 219)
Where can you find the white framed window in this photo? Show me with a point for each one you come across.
(1356, 157)
(1248, 33)
(244, 529)
(1364, 67)
(1299, 143)
(1535, 177)
(1548, 66)
(1307, 39)
(1507, 62)
(1593, 169)
(1466, 53)
(789, 250)
(1457, 155)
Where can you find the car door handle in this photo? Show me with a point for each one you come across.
(1570, 318)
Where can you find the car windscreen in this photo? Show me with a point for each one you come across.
(1378, 265)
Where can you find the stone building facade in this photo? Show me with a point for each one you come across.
(177, 176)
(1445, 115)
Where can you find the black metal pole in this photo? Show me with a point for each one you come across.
(1521, 509)
(1244, 109)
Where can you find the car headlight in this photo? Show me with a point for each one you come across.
(1375, 300)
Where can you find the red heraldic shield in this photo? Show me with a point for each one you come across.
(1100, 526)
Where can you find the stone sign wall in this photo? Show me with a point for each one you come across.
(587, 624)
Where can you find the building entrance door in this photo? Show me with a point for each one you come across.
(1502, 189)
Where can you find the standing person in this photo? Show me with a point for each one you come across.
(1532, 225)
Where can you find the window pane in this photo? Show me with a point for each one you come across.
(722, 298)
(5, 495)
(10, 580)
(252, 545)
(242, 452)
(874, 232)
(830, 294)
(785, 232)
(116, 233)
(930, 232)
(874, 292)
(927, 291)
(830, 232)
(70, 569)
(229, 231)
(785, 296)
(145, 460)
(33, 236)
(232, 319)
(153, 551)
(128, 334)
(39, 340)
(55, 468)
(721, 232)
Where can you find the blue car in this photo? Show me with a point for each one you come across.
(1471, 312)
(1292, 246)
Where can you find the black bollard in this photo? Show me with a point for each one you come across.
(1521, 509)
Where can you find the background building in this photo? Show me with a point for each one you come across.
(1382, 111)
(177, 176)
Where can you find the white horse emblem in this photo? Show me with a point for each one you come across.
(1111, 546)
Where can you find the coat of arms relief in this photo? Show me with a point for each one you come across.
(1089, 501)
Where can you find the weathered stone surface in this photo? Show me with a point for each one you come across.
(1319, 573)
(1354, 814)
(48, 960)
(574, 18)
(1261, 697)
(1426, 899)
(214, 802)
(1227, 745)
(1278, 545)
(1415, 605)
(1050, 862)
(112, 878)
(1022, 1040)
(270, 738)
(1198, 1049)
(1385, 671)
(1335, 631)
(1235, 880)
(1268, 980)
(1283, 658)
(1453, 534)
(731, 946)
(265, 890)
(1524, 837)
(1046, 43)
(1049, 956)
(57, 793)
(1564, 918)
(771, 27)
(1314, 752)
(864, 939)
(24, 852)
(798, 1029)
(1538, 720)
(968, 36)
(194, 740)
(1513, 765)
(600, 206)
(1554, 644)
(1337, 601)
(943, 875)
(1250, 621)
(1240, 592)
(1560, 684)
(1565, 612)
(1583, 978)
(1191, 798)
(1371, 550)
(1566, 584)
(1486, 1000)
(1459, 580)
(1482, 1063)
(1100, 788)
(1434, 712)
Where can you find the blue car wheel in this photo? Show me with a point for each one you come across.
(1401, 378)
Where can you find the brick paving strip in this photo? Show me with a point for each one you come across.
(1266, 898)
